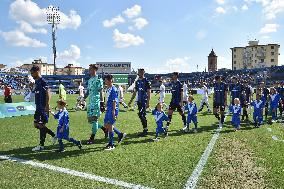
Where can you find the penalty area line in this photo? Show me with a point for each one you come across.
(74, 173)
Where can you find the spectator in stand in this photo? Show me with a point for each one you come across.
(7, 94)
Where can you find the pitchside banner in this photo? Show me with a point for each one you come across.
(17, 109)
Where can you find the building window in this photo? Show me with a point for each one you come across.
(235, 62)
(235, 56)
(234, 50)
(272, 60)
(235, 68)
(272, 53)
(262, 60)
(272, 47)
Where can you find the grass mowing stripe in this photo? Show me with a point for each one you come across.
(74, 173)
(193, 179)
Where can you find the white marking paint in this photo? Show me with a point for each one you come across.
(74, 173)
(193, 179)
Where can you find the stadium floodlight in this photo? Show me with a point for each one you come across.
(53, 18)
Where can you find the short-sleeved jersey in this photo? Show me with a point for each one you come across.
(162, 90)
(248, 93)
(142, 86)
(159, 117)
(236, 90)
(265, 93)
(185, 89)
(120, 92)
(81, 90)
(112, 96)
(63, 119)
(205, 92)
(258, 106)
(40, 93)
(176, 92)
(191, 109)
(219, 92)
(62, 91)
(95, 85)
(274, 100)
(236, 110)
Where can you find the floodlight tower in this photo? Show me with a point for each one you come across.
(53, 18)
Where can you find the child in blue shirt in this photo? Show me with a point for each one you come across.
(258, 106)
(191, 109)
(63, 126)
(236, 110)
(159, 116)
(112, 113)
(274, 102)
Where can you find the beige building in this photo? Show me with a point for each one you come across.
(70, 70)
(255, 56)
(2, 66)
(45, 68)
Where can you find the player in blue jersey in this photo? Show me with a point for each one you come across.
(258, 106)
(112, 103)
(63, 126)
(220, 99)
(235, 90)
(191, 109)
(236, 109)
(265, 98)
(274, 101)
(177, 99)
(159, 116)
(42, 99)
(281, 103)
(143, 91)
(246, 99)
(95, 105)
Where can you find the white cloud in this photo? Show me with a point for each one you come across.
(30, 12)
(178, 65)
(72, 21)
(133, 11)
(265, 37)
(70, 56)
(124, 40)
(272, 9)
(269, 28)
(201, 34)
(220, 2)
(114, 21)
(244, 7)
(140, 23)
(220, 10)
(235, 8)
(224, 62)
(18, 62)
(27, 28)
(18, 38)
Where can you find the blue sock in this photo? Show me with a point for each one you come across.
(74, 141)
(61, 146)
(116, 131)
(111, 134)
(157, 133)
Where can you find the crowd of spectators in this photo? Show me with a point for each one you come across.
(16, 82)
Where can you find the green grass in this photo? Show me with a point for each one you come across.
(164, 164)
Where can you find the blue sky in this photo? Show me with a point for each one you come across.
(160, 35)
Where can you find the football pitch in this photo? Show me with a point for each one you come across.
(249, 158)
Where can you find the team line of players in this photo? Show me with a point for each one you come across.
(240, 98)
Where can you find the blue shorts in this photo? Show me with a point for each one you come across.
(40, 117)
(192, 118)
(109, 119)
(64, 135)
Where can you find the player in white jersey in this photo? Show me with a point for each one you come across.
(185, 93)
(81, 90)
(204, 100)
(121, 96)
(162, 92)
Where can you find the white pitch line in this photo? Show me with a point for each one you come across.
(193, 179)
(74, 173)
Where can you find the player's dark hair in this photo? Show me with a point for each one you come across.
(35, 68)
(109, 77)
(94, 66)
(217, 77)
(176, 73)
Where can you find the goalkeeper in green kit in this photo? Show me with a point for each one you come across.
(95, 105)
